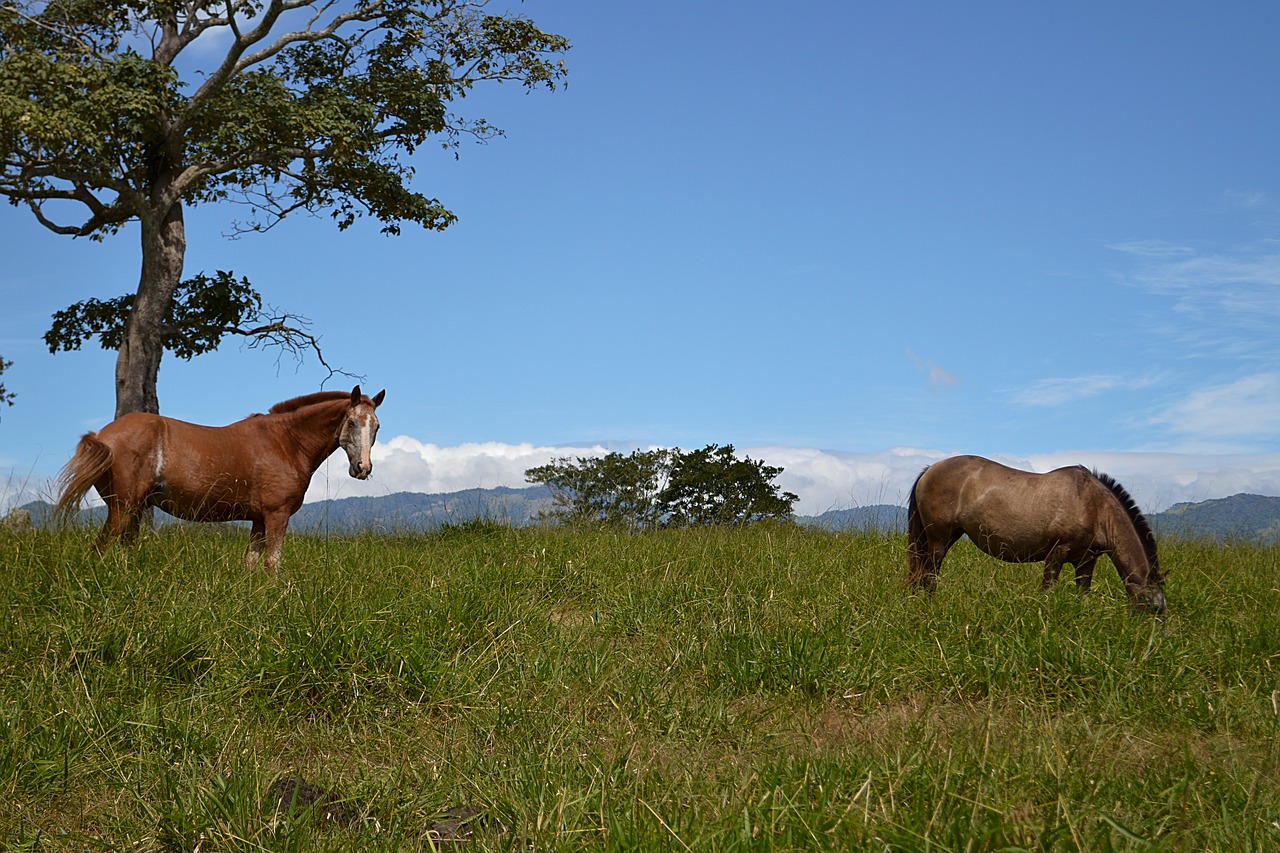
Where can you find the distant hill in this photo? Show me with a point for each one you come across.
(883, 518)
(406, 512)
(1243, 518)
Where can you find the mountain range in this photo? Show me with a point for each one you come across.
(1242, 518)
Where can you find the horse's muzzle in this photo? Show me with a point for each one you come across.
(1157, 601)
(360, 472)
(1150, 600)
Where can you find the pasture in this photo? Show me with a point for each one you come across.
(768, 688)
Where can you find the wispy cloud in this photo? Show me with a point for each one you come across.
(1058, 391)
(1222, 303)
(1153, 249)
(939, 377)
(1247, 409)
(1247, 200)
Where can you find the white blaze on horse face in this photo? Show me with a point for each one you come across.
(359, 431)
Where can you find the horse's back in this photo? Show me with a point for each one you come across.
(190, 470)
(943, 482)
(1017, 511)
(975, 478)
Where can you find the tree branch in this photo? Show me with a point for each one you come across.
(291, 339)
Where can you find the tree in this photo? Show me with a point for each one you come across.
(712, 486)
(5, 396)
(612, 489)
(672, 488)
(109, 115)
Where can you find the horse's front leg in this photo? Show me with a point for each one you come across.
(1084, 573)
(276, 524)
(257, 544)
(1053, 562)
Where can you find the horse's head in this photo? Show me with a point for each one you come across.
(1148, 599)
(359, 430)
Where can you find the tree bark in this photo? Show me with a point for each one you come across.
(164, 245)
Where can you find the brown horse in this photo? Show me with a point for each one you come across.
(1070, 515)
(254, 470)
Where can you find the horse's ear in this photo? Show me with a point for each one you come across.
(377, 398)
(355, 395)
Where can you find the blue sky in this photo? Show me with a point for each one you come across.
(849, 239)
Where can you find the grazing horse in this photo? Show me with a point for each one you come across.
(254, 470)
(1070, 515)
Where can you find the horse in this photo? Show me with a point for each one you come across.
(1070, 515)
(254, 470)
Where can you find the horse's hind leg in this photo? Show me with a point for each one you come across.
(926, 561)
(121, 523)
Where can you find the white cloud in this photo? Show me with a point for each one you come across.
(405, 464)
(1159, 480)
(824, 479)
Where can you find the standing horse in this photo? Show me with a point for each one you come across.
(254, 470)
(1070, 515)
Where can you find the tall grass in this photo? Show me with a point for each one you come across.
(771, 688)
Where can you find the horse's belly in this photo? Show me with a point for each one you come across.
(1011, 548)
(215, 504)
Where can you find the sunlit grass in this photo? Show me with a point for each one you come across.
(768, 689)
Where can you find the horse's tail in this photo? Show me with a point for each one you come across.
(92, 459)
(917, 542)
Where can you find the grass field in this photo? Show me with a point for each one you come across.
(770, 688)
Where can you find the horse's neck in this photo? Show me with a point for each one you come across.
(313, 434)
(1124, 542)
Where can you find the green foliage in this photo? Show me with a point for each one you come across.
(712, 486)
(762, 688)
(204, 309)
(672, 488)
(613, 489)
(315, 118)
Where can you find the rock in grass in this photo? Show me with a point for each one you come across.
(294, 796)
(459, 823)
(18, 521)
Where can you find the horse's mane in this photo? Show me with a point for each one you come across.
(308, 400)
(1140, 524)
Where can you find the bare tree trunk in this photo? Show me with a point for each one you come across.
(164, 245)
